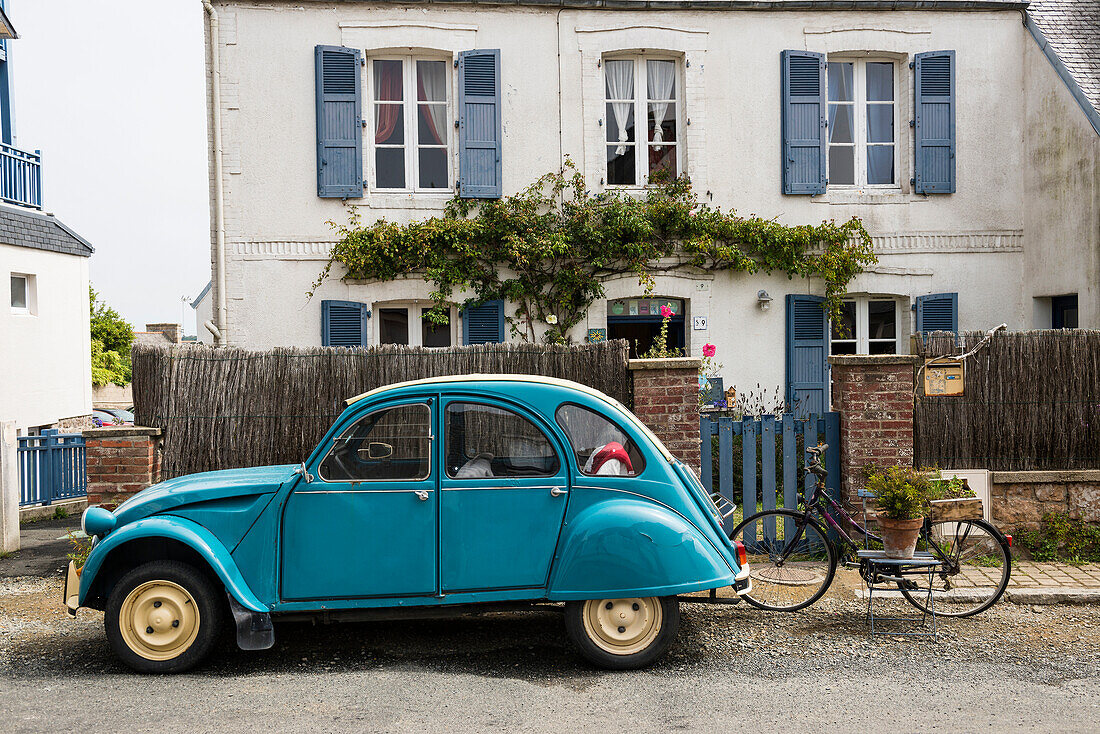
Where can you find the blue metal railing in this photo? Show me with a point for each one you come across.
(781, 472)
(51, 467)
(20, 176)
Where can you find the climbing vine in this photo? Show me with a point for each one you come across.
(549, 248)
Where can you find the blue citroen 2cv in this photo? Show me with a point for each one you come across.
(470, 493)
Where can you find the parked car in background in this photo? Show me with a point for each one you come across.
(467, 493)
(103, 418)
(122, 416)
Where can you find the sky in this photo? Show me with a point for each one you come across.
(113, 94)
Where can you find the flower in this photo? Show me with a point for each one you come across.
(665, 312)
(551, 319)
(709, 350)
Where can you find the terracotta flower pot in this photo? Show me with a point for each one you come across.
(899, 537)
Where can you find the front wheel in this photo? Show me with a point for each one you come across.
(975, 568)
(623, 634)
(791, 560)
(163, 617)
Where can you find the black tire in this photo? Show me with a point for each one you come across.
(971, 544)
(185, 605)
(598, 646)
(792, 587)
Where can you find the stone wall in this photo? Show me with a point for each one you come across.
(666, 398)
(1020, 498)
(874, 396)
(121, 461)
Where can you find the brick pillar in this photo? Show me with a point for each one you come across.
(874, 396)
(121, 461)
(666, 398)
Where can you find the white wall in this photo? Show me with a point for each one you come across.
(978, 241)
(46, 371)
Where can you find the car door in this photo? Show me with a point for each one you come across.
(504, 493)
(366, 525)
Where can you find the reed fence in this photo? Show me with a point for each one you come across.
(1031, 401)
(227, 408)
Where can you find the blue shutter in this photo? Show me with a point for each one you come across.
(344, 324)
(938, 312)
(339, 123)
(802, 120)
(807, 354)
(483, 324)
(934, 126)
(479, 127)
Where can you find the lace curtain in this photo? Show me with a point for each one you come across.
(660, 76)
(620, 85)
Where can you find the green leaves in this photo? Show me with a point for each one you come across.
(901, 492)
(112, 338)
(548, 248)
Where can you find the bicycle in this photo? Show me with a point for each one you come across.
(794, 560)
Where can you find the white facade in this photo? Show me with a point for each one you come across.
(46, 371)
(1022, 226)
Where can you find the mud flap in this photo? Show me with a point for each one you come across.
(254, 629)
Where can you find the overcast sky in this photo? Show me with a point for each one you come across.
(113, 94)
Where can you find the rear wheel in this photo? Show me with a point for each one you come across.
(163, 617)
(623, 634)
(976, 567)
(791, 560)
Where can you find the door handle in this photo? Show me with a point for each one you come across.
(422, 495)
(557, 491)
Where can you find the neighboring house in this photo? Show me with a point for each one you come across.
(951, 128)
(46, 371)
(203, 306)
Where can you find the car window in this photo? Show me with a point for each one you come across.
(484, 441)
(601, 447)
(388, 444)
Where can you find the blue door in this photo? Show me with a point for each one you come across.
(366, 524)
(504, 492)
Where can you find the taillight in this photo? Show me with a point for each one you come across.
(742, 555)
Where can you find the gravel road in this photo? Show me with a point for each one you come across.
(1014, 668)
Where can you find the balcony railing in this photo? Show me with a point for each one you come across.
(20, 176)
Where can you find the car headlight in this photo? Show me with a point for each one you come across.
(96, 521)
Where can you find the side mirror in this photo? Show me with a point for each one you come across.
(376, 450)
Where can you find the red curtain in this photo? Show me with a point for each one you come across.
(389, 87)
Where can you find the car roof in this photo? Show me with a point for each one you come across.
(530, 379)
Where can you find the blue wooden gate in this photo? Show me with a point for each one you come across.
(773, 459)
(51, 467)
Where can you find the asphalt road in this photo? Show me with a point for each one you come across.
(1015, 668)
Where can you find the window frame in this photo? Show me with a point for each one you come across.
(416, 335)
(431, 437)
(409, 118)
(861, 337)
(859, 134)
(641, 102)
(30, 295)
(560, 465)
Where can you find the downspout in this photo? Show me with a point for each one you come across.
(217, 325)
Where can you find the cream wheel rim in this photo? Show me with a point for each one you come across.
(159, 620)
(622, 626)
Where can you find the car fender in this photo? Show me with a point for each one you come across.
(191, 534)
(627, 547)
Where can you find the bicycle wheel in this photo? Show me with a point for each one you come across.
(976, 568)
(791, 560)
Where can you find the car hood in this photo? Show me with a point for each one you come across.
(204, 487)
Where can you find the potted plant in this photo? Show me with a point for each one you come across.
(901, 496)
(953, 500)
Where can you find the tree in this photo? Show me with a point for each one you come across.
(112, 337)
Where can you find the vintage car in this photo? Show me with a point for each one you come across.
(471, 493)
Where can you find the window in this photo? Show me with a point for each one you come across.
(23, 296)
(411, 123)
(641, 88)
(600, 446)
(485, 442)
(1063, 312)
(866, 326)
(394, 326)
(388, 444)
(862, 123)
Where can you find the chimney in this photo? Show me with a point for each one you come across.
(172, 332)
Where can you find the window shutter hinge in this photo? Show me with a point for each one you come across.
(912, 65)
(600, 121)
(912, 123)
(456, 124)
(689, 121)
(362, 60)
(456, 63)
(912, 182)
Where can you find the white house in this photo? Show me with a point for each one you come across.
(45, 344)
(969, 148)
